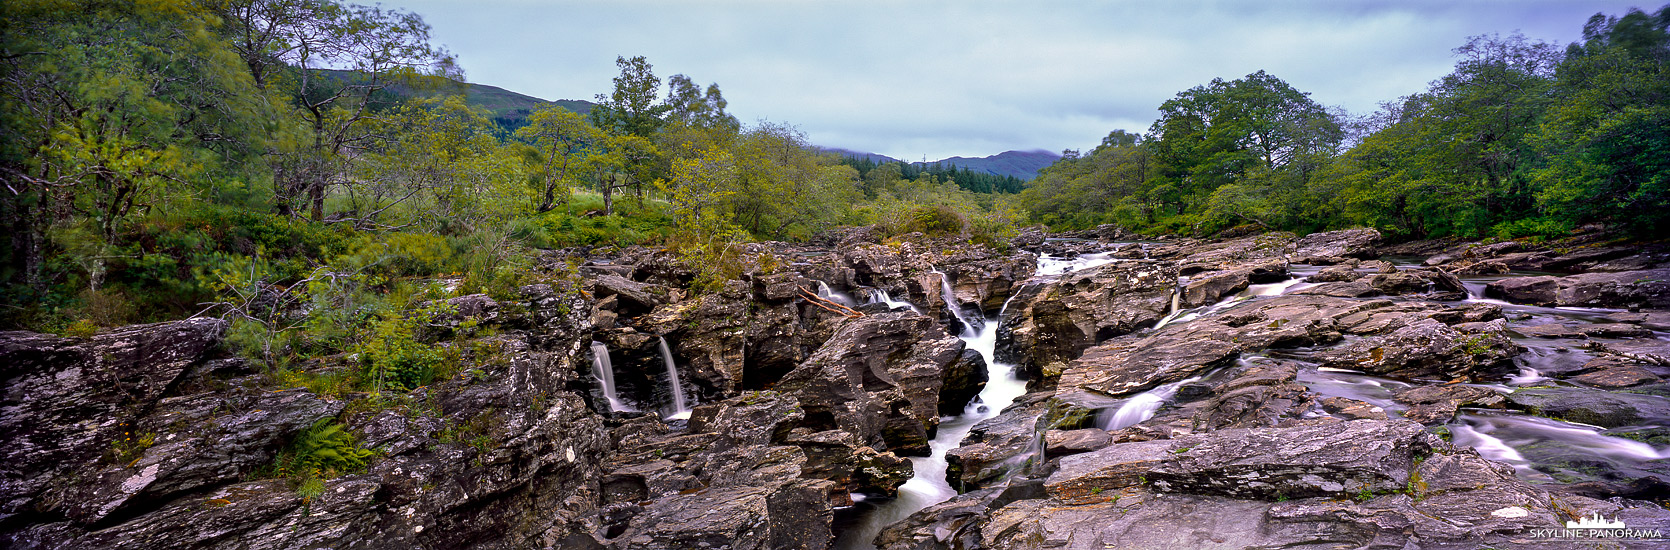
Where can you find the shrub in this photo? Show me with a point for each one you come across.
(390, 355)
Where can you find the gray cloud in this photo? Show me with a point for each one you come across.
(945, 78)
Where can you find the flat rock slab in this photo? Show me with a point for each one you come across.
(1336, 459)
(1602, 408)
(1332, 459)
(1644, 288)
(1611, 373)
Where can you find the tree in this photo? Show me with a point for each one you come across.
(336, 65)
(1456, 160)
(1607, 135)
(440, 160)
(632, 109)
(107, 108)
(686, 104)
(560, 137)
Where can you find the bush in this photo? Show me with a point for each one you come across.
(1532, 227)
(391, 356)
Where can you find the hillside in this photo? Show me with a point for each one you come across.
(509, 109)
(1020, 164)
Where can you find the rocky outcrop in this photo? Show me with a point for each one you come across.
(1334, 247)
(1210, 287)
(1374, 484)
(1194, 257)
(502, 456)
(879, 378)
(1051, 323)
(1649, 288)
(69, 402)
(729, 480)
(1593, 407)
(1438, 404)
(1429, 348)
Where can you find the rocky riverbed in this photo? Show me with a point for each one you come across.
(1090, 391)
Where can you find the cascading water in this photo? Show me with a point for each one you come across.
(680, 409)
(1142, 406)
(950, 296)
(604, 370)
(830, 294)
(879, 296)
(928, 485)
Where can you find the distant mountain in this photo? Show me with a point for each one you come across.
(511, 109)
(872, 157)
(1019, 164)
(508, 109)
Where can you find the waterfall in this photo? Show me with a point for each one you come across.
(680, 409)
(928, 485)
(829, 294)
(1141, 407)
(879, 296)
(605, 373)
(951, 304)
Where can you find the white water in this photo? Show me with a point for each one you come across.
(604, 370)
(1050, 266)
(950, 296)
(879, 296)
(829, 294)
(680, 409)
(1141, 407)
(1274, 289)
(928, 485)
(1526, 377)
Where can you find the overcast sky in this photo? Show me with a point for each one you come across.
(975, 78)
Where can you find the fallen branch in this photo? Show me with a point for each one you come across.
(829, 305)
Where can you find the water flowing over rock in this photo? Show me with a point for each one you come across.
(1052, 322)
(1377, 404)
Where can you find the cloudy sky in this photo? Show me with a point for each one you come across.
(915, 79)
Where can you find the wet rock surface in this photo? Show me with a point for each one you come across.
(1051, 322)
(1378, 404)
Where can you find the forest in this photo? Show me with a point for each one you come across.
(1522, 139)
(164, 156)
(167, 157)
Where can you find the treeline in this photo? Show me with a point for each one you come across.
(164, 157)
(1521, 139)
(977, 182)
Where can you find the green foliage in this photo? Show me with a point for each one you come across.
(1518, 141)
(391, 356)
(130, 447)
(322, 451)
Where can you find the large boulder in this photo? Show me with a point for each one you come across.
(1413, 346)
(730, 480)
(68, 401)
(1210, 287)
(1052, 323)
(1329, 247)
(1589, 406)
(1646, 288)
(879, 378)
(1377, 484)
